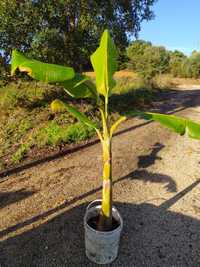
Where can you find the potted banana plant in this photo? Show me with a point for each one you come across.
(102, 222)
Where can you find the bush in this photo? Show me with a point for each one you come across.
(148, 60)
(185, 67)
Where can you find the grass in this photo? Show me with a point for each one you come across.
(26, 121)
(118, 74)
(164, 81)
(186, 81)
(20, 153)
(53, 134)
(126, 84)
(27, 94)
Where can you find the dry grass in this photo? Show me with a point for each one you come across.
(118, 74)
(186, 82)
(163, 80)
(178, 82)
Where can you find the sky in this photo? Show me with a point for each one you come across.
(176, 25)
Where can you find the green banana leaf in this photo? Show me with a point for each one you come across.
(40, 71)
(177, 124)
(58, 105)
(80, 87)
(104, 62)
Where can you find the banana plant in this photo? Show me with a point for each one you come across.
(104, 62)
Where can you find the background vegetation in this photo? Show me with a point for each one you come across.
(67, 31)
(149, 60)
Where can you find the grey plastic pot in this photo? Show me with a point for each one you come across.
(101, 247)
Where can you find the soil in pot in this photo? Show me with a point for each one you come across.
(93, 223)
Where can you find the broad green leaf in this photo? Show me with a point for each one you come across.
(116, 124)
(177, 124)
(17, 59)
(58, 105)
(40, 71)
(193, 129)
(104, 62)
(80, 87)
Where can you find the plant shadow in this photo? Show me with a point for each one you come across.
(141, 173)
(161, 101)
(133, 99)
(150, 159)
(7, 198)
(152, 236)
(147, 176)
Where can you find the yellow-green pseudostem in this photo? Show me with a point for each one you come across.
(107, 184)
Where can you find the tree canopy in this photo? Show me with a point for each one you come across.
(148, 60)
(67, 31)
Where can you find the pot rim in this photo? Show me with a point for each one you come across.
(120, 220)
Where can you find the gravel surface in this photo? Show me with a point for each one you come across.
(156, 188)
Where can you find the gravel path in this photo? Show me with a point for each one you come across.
(156, 188)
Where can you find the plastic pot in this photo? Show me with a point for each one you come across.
(101, 247)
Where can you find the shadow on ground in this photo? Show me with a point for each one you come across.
(142, 175)
(150, 159)
(7, 198)
(167, 101)
(146, 176)
(152, 236)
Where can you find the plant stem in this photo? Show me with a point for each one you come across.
(106, 108)
(105, 222)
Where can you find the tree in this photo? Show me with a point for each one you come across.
(66, 31)
(135, 53)
(148, 60)
(183, 66)
(195, 64)
(177, 63)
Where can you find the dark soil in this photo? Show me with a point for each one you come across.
(94, 222)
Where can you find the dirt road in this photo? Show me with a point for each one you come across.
(156, 187)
